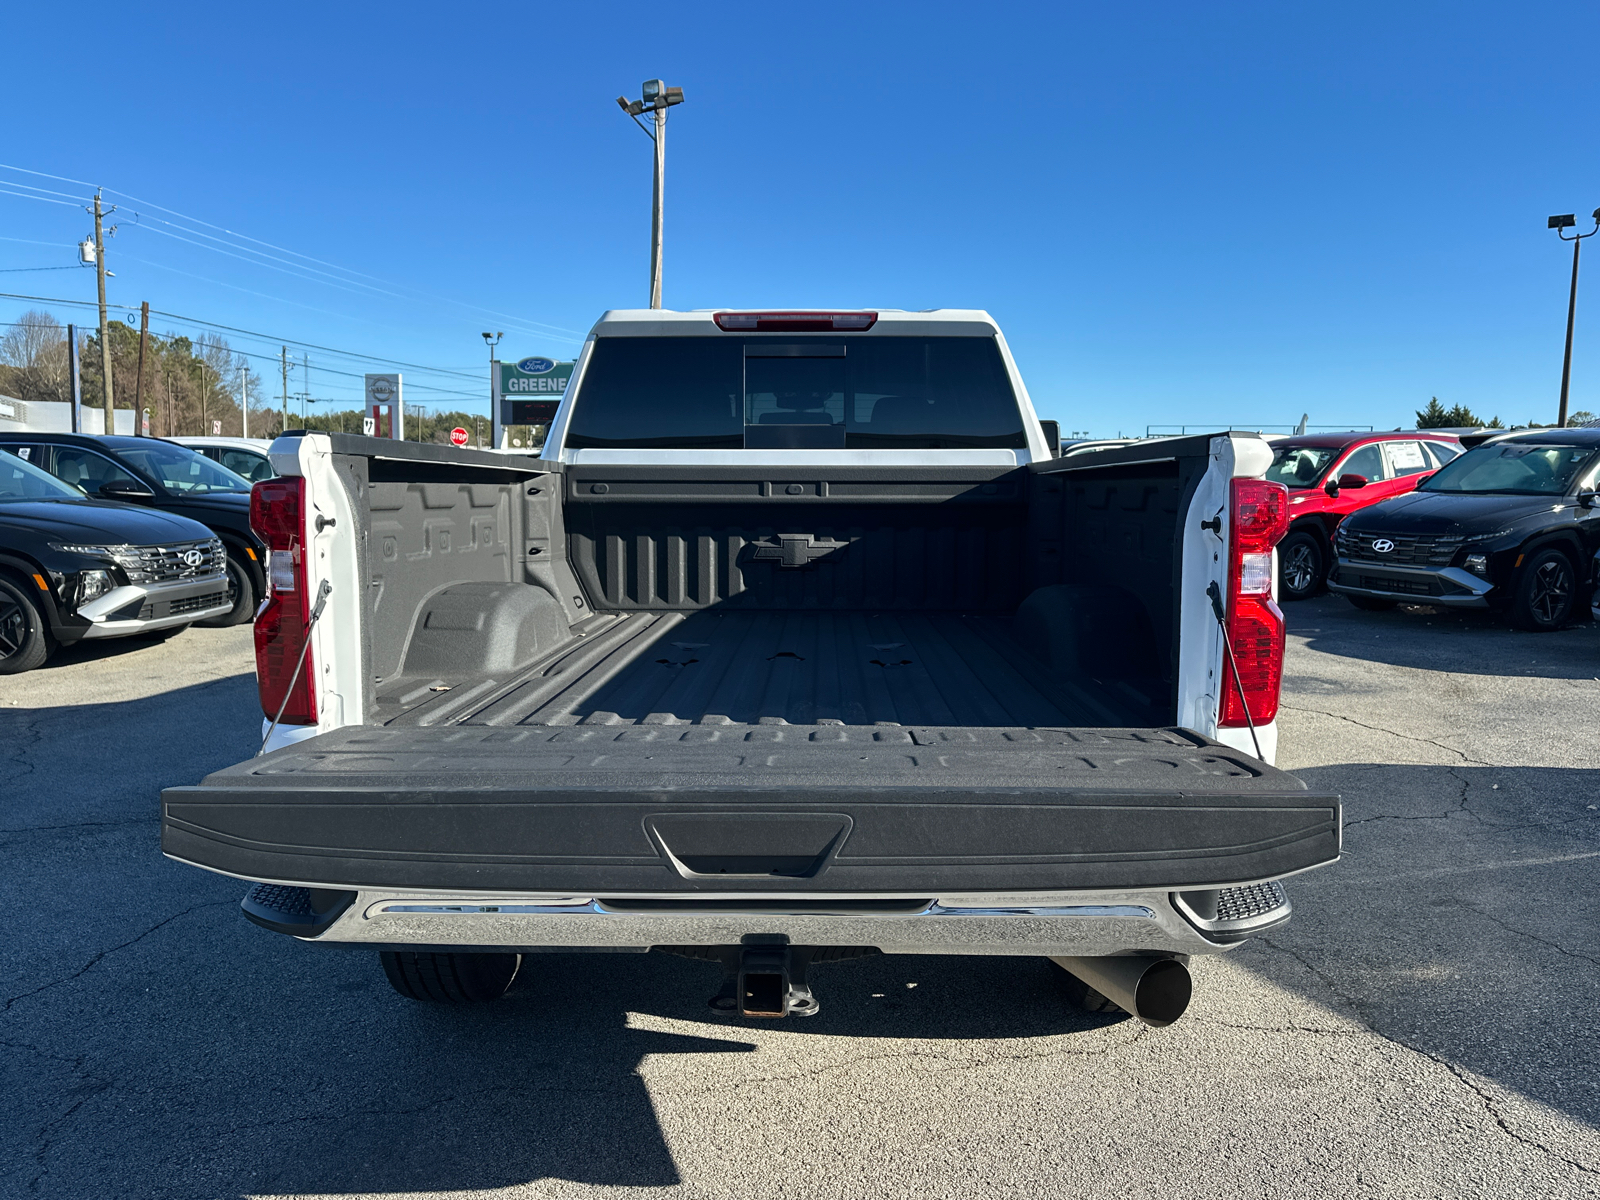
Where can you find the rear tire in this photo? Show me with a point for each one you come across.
(1372, 603)
(1546, 591)
(25, 640)
(450, 978)
(243, 590)
(1302, 565)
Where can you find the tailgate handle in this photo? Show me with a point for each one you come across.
(782, 845)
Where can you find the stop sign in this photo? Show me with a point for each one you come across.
(458, 436)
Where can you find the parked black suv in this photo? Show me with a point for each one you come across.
(1509, 525)
(164, 475)
(74, 568)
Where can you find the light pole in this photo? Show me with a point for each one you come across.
(657, 98)
(494, 390)
(1559, 223)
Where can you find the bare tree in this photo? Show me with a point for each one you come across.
(33, 358)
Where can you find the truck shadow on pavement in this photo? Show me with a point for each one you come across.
(1462, 922)
(547, 1083)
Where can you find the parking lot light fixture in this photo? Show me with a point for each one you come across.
(655, 98)
(1560, 223)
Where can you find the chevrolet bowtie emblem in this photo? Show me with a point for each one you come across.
(794, 549)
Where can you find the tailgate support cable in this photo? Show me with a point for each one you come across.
(322, 599)
(1215, 593)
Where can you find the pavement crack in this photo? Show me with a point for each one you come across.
(1532, 937)
(98, 956)
(1408, 737)
(1458, 1073)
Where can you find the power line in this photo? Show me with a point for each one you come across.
(257, 334)
(47, 191)
(47, 175)
(46, 199)
(540, 328)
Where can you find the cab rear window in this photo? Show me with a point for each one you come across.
(788, 392)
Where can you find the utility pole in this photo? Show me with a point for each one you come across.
(285, 361)
(1568, 221)
(204, 432)
(657, 98)
(105, 331)
(138, 383)
(77, 390)
(244, 399)
(305, 396)
(494, 389)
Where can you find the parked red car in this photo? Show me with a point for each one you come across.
(1330, 476)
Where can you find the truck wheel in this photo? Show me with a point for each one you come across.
(24, 637)
(1371, 603)
(1545, 592)
(450, 978)
(241, 590)
(1302, 564)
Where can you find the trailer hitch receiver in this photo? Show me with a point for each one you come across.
(766, 980)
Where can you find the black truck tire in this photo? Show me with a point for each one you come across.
(1302, 565)
(243, 590)
(450, 978)
(1545, 591)
(24, 636)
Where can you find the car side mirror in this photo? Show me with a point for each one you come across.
(1352, 481)
(1588, 498)
(125, 489)
(1332, 488)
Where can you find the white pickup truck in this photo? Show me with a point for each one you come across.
(796, 645)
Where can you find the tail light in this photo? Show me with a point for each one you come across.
(277, 514)
(1255, 623)
(795, 322)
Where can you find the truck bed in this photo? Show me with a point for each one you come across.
(799, 668)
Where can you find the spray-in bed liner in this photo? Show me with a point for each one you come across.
(855, 668)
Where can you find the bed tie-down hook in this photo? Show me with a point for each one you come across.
(1215, 524)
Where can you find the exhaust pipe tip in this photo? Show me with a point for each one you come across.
(1155, 990)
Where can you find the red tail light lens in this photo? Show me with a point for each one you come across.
(795, 322)
(277, 514)
(1255, 623)
(1260, 514)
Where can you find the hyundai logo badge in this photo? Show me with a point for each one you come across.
(1382, 545)
(193, 558)
(536, 366)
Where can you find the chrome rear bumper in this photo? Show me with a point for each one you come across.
(1081, 923)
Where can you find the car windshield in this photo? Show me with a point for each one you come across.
(182, 470)
(1300, 466)
(1512, 469)
(21, 480)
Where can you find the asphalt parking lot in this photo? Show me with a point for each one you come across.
(1424, 1027)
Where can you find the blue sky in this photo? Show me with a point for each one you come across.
(1178, 213)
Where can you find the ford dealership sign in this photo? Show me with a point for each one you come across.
(536, 366)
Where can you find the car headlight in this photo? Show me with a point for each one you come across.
(1478, 564)
(92, 585)
(87, 550)
(1485, 537)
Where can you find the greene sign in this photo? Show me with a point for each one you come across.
(529, 390)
